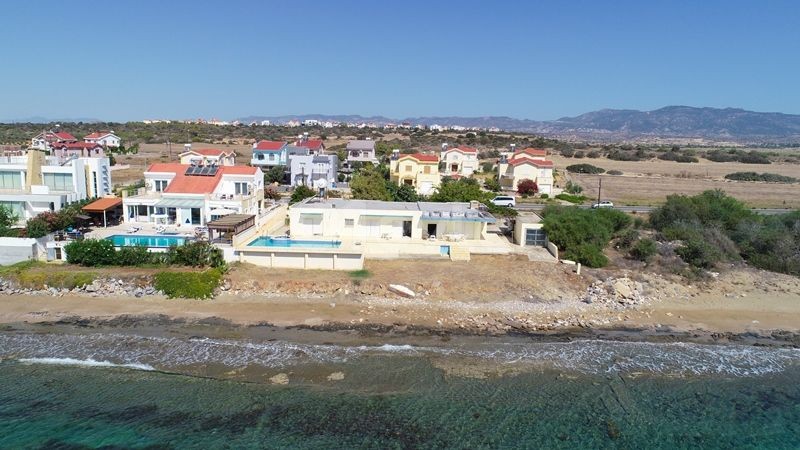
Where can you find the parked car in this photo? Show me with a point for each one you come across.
(603, 204)
(504, 200)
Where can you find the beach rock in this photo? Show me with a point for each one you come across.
(336, 376)
(90, 288)
(401, 290)
(280, 378)
(622, 289)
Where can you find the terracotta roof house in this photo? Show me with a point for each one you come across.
(530, 164)
(418, 170)
(193, 195)
(104, 138)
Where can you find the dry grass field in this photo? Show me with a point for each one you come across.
(649, 182)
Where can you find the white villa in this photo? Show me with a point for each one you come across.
(32, 183)
(361, 151)
(104, 138)
(45, 140)
(461, 161)
(193, 195)
(207, 156)
(530, 164)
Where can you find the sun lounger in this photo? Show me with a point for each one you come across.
(133, 229)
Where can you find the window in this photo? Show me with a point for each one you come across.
(260, 156)
(349, 223)
(427, 169)
(241, 188)
(272, 157)
(408, 168)
(10, 180)
(161, 185)
(195, 216)
(58, 181)
(16, 208)
(141, 210)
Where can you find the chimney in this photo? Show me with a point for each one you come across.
(187, 147)
(513, 147)
(444, 147)
(396, 153)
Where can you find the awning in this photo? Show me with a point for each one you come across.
(232, 222)
(221, 211)
(103, 204)
(180, 203)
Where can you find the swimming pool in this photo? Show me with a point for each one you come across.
(127, 240)
(268, 241)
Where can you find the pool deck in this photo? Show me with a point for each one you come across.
(145, 230)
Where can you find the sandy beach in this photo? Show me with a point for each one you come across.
(741, 300)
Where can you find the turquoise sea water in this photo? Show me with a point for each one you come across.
(587, 394)
(124, 240)
(267, 241)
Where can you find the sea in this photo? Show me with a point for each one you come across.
(109, 389)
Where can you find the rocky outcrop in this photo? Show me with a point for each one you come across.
(102, 287)
(616, 293)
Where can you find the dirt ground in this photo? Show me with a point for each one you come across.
(649, 182)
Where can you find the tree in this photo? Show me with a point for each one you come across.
(7, 219)
(301, 193)
(491, 183)
(527, 187)
(274, 175)
(369, 184)
(461, 190)
(36, 227)
(402, 193)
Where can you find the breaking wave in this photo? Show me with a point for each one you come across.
(586, 356)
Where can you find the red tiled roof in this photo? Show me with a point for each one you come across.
(64, 136)
(531, 151)
(270, 145)
(421, 157)
(103, 204)
(196, 184)
(78, 145)
(97, 135)
(311, 144)
(535, 162)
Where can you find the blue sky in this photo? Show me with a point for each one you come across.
(130, 60)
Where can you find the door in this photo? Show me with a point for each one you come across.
(406, 228)
(444, 250)
(431, 229)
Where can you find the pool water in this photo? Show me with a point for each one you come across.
(267, 241)
(125, 240)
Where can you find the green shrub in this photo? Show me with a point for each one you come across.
(643, 250)
(614, 172)
(360, 274)
(581, 234)
(195, 254)
(765, 177)
(301, 193)
(698, 253)
(677, 157)
(133, 256)
(91, 252)
(585, 168)
(571, 198)
(627, 238)
(36, 227)
(573, 188)
(544, 196)
(188, 284)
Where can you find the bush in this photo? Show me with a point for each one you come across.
(271, 193)
(698, 253)
(643, 250)
(91, 252)
(627, 238)
(567, 152)
(301, 193)
(618, 155)
(577, 199)
(544, 196)
(582, 234)
(593, 154)
(188, 284)
(133, 256)
(585, 168)
(196, 254)
(579, 154)
(36, 227)
(527, 187)
(491, 183)
(487, 167)
(573, 188)
(614, 172)
(765, 177)
(677, 157)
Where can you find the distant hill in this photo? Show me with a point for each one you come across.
(671, 122)
(39, 119)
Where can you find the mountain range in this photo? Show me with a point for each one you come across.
(668, 123)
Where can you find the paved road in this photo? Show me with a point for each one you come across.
(644, 209)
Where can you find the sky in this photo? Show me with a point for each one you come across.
(541, 60)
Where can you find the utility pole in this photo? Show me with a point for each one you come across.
(599, 187)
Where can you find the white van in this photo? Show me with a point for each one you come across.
(504, 200)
